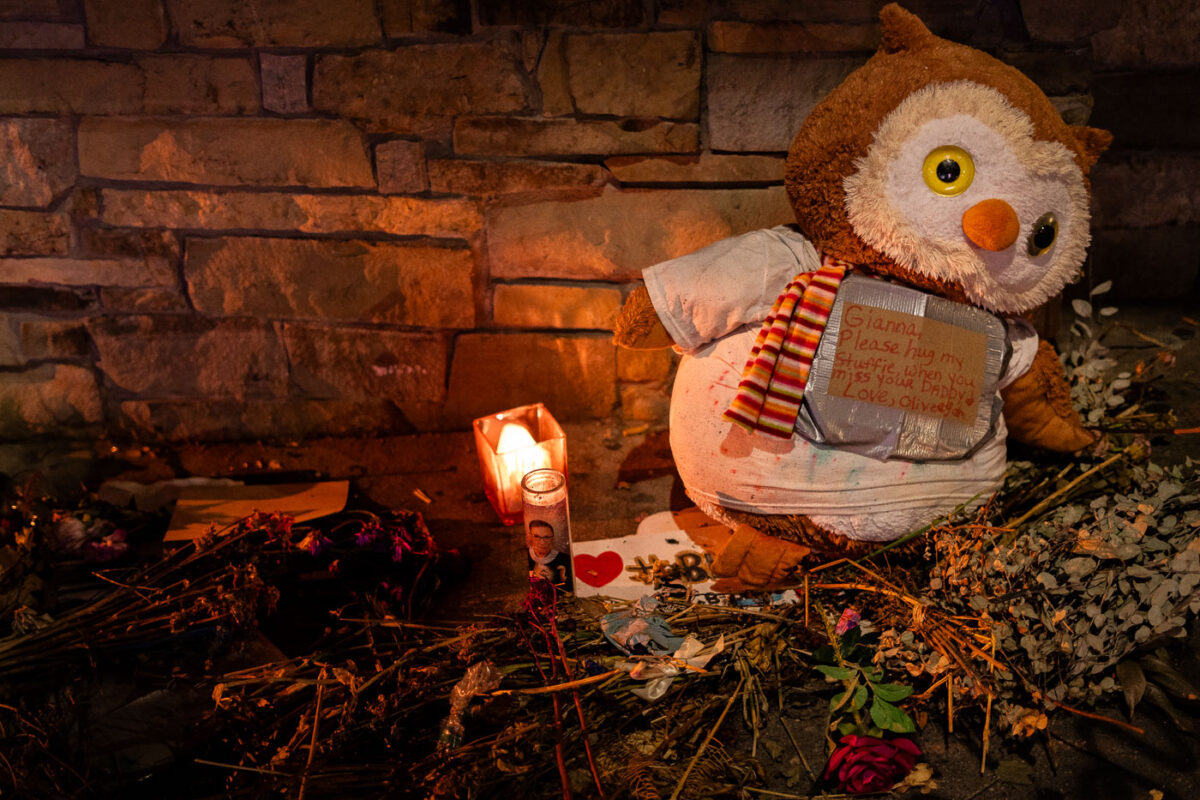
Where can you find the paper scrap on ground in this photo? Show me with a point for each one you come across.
(201, 506)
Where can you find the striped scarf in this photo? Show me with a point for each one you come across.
(773, 380)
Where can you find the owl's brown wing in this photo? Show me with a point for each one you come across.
(638, 326)
(1037, 407)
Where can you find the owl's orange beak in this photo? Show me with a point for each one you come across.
(991, 224)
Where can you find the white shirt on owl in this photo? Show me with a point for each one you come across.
(713, 303)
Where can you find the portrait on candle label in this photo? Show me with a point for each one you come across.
(547, 526)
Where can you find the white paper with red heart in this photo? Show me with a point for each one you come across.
(624, 568)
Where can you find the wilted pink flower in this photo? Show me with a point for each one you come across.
(367, 536)
(865, 764)
(68, 535)
(315, 543)
(849, 621)
(108, 548)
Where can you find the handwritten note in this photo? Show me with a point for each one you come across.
(904, 361)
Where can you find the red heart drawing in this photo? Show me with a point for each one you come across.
(600, 569)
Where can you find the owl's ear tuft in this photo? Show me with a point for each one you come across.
(1092, 142)
(903, 31)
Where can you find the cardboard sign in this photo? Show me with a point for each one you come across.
(908, 362)
(198, 507)
(624, 568)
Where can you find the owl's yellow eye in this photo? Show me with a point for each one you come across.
(948, 170)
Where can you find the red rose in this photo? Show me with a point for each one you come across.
(864, 764)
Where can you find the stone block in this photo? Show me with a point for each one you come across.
(938, 15)
(37, 161)
(47, 399)
(245, 152)
(334, 280)
(1148, 263)
(156, 254)
(703, 168)
(684, 13)
(524, 136)
(41, 36)
(1056, 72)
(47, 299)
(491, 178)
(614, 236)
(278, 211)
(552, 75)
(406, 17)
(758, 104)
(53, 339)
(69, 86)
(729, 36)
(401, 371)
(581, 13)
(274, 23)
(127, 272)
(182, 356)
(1143, 109)
(1068, 20)
(26, 337)
(635, 74)
(283, 420)
(573, 375)
(193, 84)
(32, 233)
(132, 24)
(1146, 191)
(1075, 109)
(1150, 33)
(644, 365)
(400, 167)
(142, 300)
(439, 80)
(544, 306)
(645, 402)
(284, 83)
(32, 9)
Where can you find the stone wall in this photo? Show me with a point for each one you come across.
(279, 219)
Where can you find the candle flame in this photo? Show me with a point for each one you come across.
(514, 436)
(517, 451)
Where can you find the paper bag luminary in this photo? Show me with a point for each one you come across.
(850, 378)
(511, 444)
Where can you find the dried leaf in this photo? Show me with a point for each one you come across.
(1133, 683)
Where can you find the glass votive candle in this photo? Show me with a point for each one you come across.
(547, 525)
(511, 444)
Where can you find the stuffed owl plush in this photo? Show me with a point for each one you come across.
(850, 378)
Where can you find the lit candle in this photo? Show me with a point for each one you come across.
(519, 455)
(511, 444)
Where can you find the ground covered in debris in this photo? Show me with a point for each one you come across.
(756, 724)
